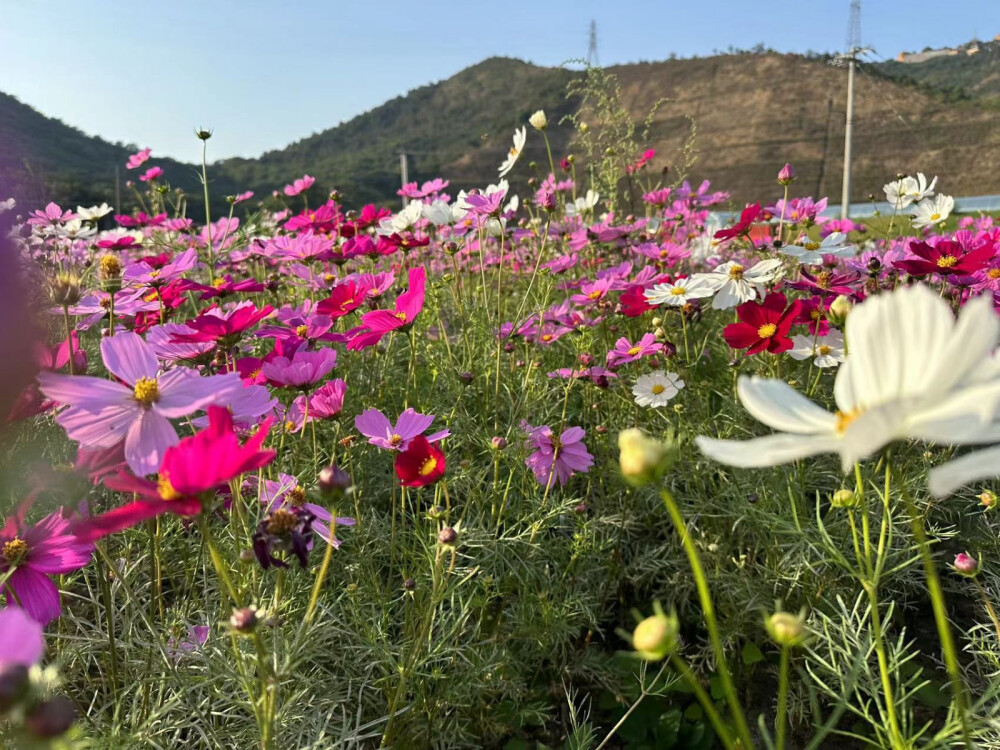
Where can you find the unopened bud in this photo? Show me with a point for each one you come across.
(642, 459)
(786, 175)
(447, 536)
(839, 310)
(333, 481)
(843, 499)
(787, 629)
(655, 638)
(538, 120)
(987, 499)
(65, 288)
(243, 620)
(966, 565)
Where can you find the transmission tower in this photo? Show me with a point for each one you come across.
(592, 59)
(849, 60)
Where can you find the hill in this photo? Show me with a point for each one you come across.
(961, 75)
(752, 112)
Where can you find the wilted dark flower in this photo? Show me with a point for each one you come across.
(282, 532)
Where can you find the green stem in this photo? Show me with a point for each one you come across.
(208, 211)
(701, 582)
(782, 718)
(217, 562)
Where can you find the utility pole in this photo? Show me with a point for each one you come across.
(850, 58)
(404, 173)
(118, 191)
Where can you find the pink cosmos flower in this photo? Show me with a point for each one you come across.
(395, 437)
(243, 197)
(193, 471)
(137, 410)
(113, 241)
(136, 160)
(142, 273)
(21, 639)
(556, 457)
(30, 554)
(153, 173)
(224, 326)
(303, 370)
(299, 186)
(625, 351)
(327, 400)
(485, 205)
(51, 215)
(380, 322)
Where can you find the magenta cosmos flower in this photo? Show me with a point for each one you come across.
(374, 425)
(625, 351)
(381, 322)
(556, 457)
(299, 186)
(303, 370)
(21, 640)
(30, 554)
(137, 410)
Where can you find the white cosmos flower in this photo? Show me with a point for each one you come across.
(75, 229)
(93, 213)
(404, 220)
(807, 252)
(932, 211)
(438, 213)
(584, 204)
(901, 193)
(520, 136)
(735, 284)
(656, 389)
(680, 292)
(913, 372)
(828, 350)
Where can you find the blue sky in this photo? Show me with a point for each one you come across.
(263, 74)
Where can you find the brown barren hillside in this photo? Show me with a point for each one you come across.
(754, 112)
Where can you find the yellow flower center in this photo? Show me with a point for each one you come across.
(329, 278)
(824, 279)
(633, 351)
(166, 490)
(935, 217)
(254, 374)
(155, 273)
(513, 151)
(946, 261)
(677, 291)
(823, 349)
(401, 316)
(110, 267)
(993, 273)
(395, 439)
(15, 550)
(658, 389)
(105, 303)
(282, 522)
(844, 419)
(812, 246)
(428, 466)
(289, 426)
(736, 272)
(295, 496)
(596, 294)
(301, 331)
(546, 337)
(767, 330)
(147, 391)
(219, 283)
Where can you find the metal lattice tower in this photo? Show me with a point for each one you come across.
(854, 27)
(592, 59)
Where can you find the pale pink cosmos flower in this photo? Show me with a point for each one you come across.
(299, 186)
(374, 425)
(136, 160)
(138, 409)
(556, 458)
(625, 351)
(303, 370)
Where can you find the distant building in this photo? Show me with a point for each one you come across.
(970, 48)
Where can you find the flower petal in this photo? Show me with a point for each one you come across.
(128, 357)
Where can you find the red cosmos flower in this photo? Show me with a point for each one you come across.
(192, 469)
(742, 227)
(344, 298)
(633, 301)
(420, 464)
(763, 326)
(947, 257)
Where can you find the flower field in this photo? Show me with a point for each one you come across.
(583, 467)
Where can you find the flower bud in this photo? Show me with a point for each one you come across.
(584, 128)
(50, 718)
(409, 585)
(787, 629)
(839, 310)
(13, 684)
(247, 556)
(538, 120)
(966, 565)
(987, 499)
(333, 481)
(843, 499)
(656, 322)
(203, 134)
(655, 638)
(109, 268)
(786, 175)
(243, 620)
(498, 442)
(65, 288)
(642, 459)
(447, 537)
